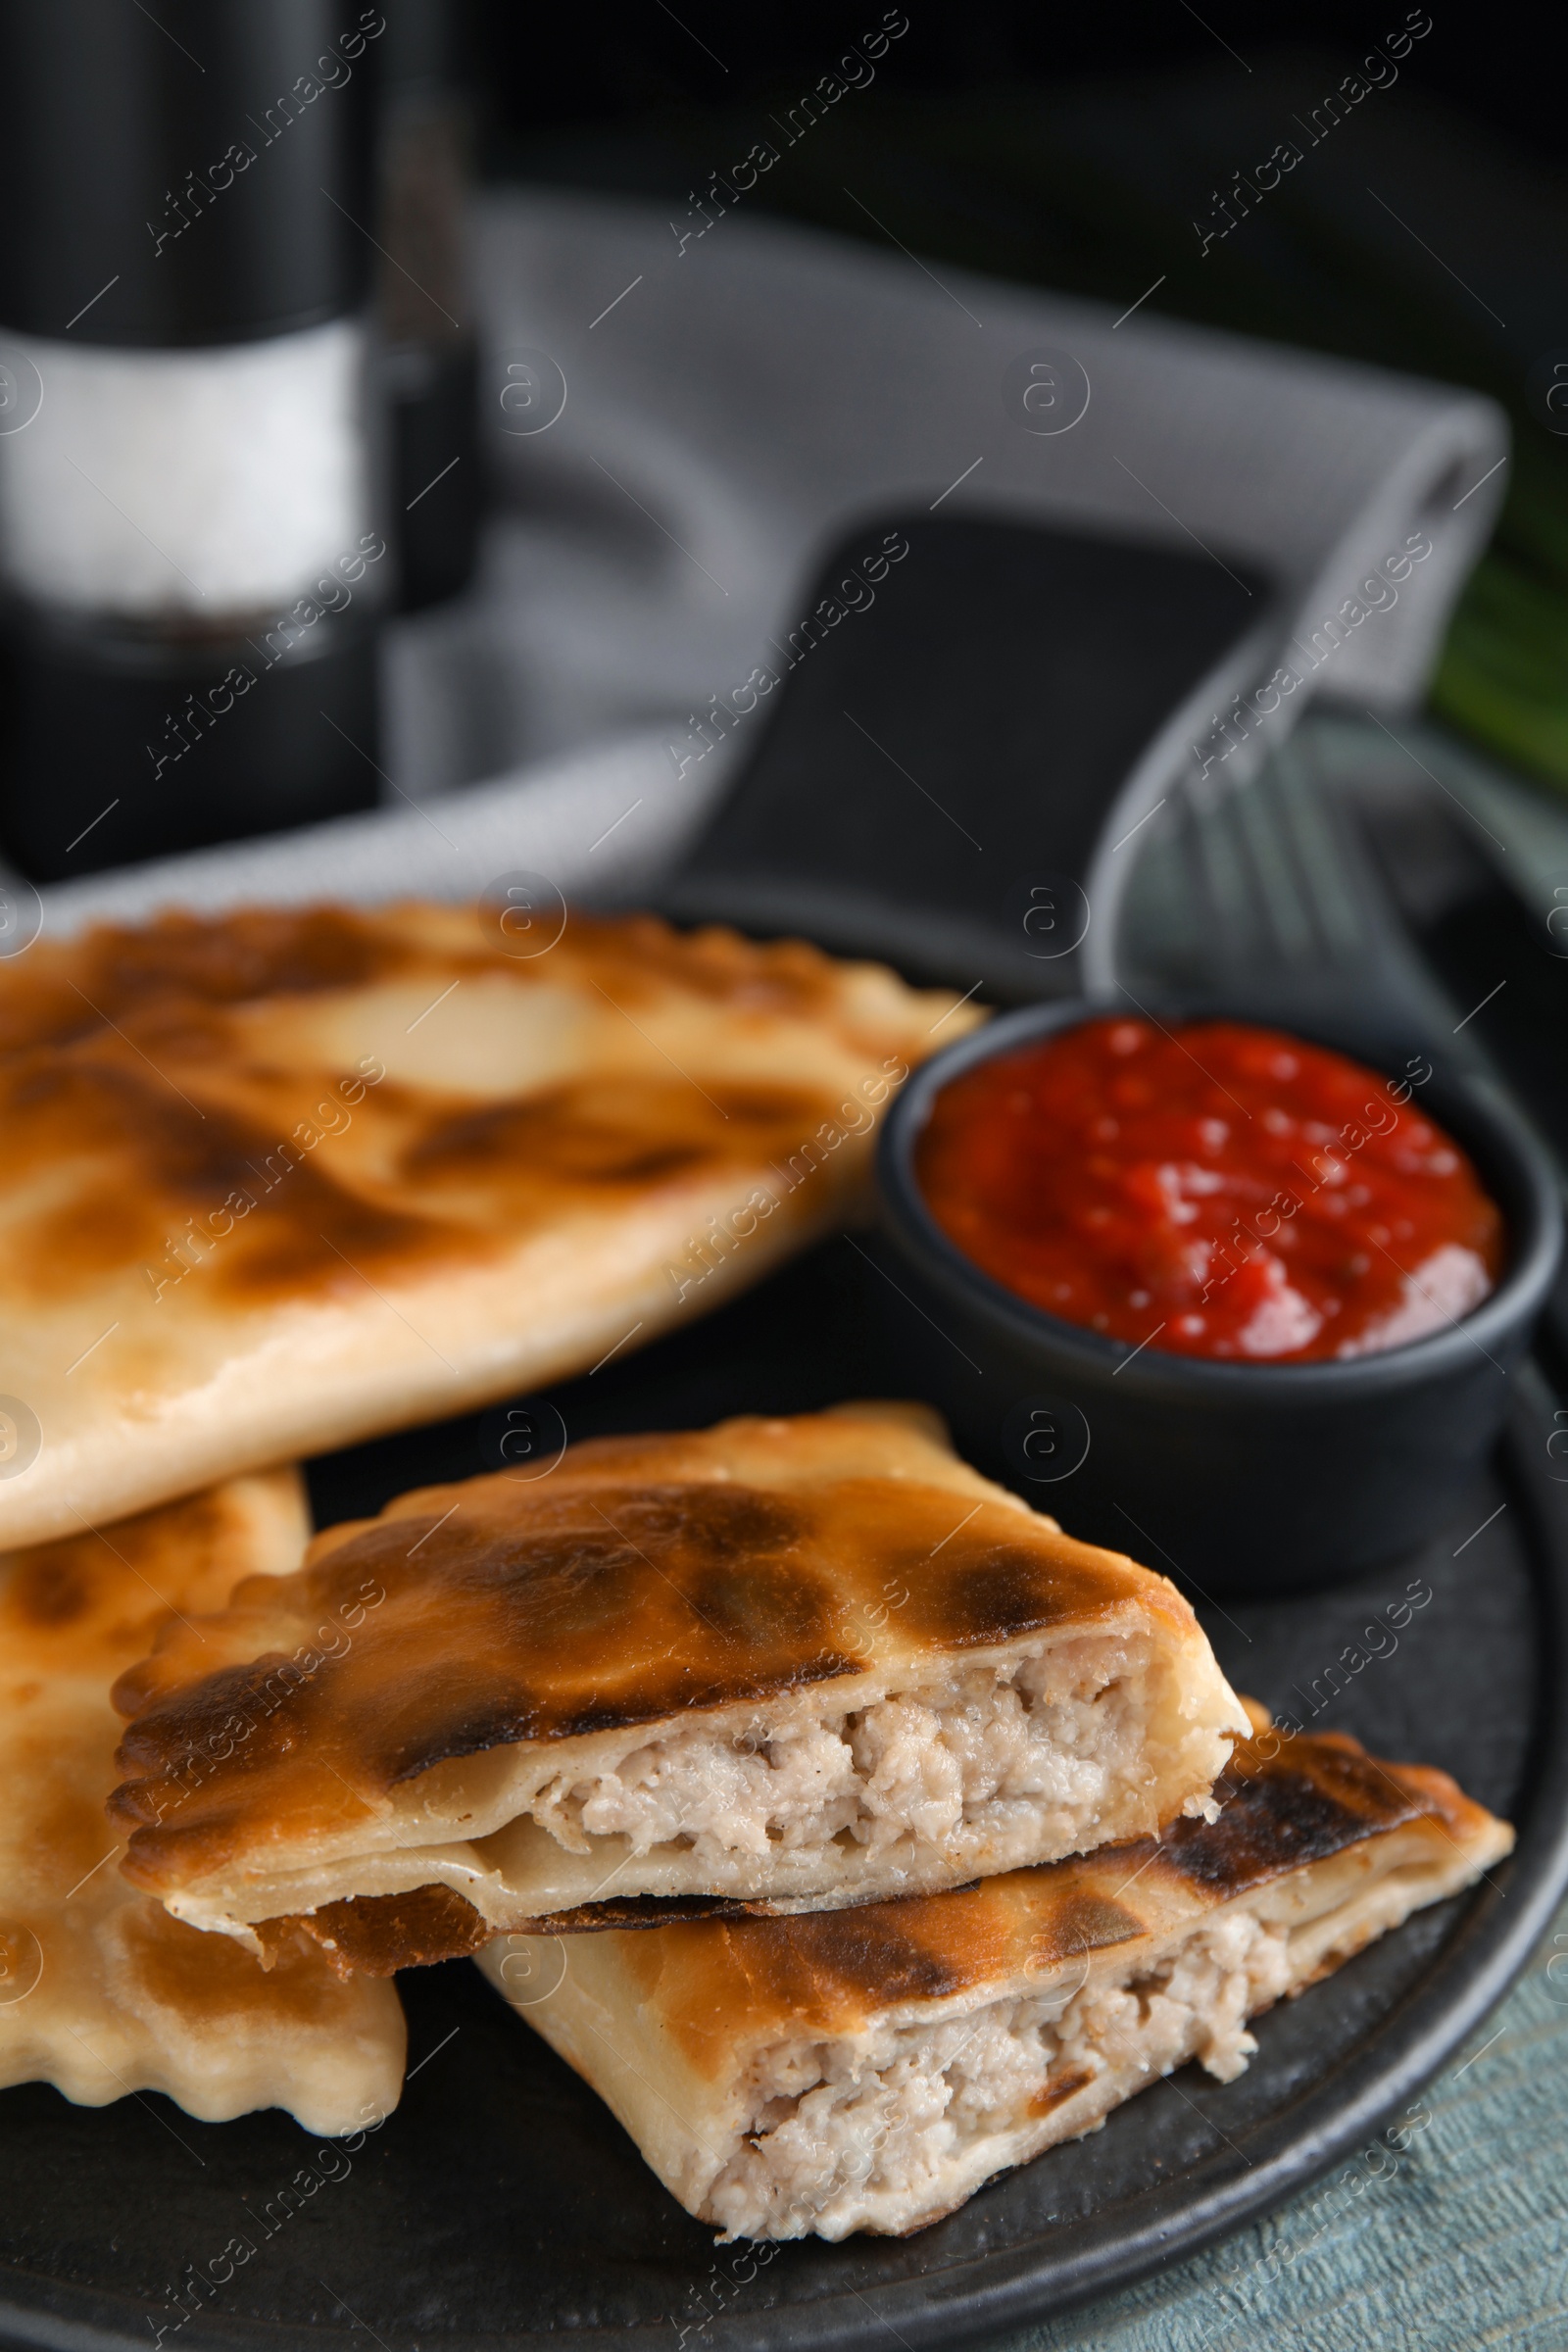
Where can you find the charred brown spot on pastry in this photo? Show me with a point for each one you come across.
(171, 1531)
(632, 1131)
(875, 1952)
(1066, 2084)
(301, 1245)
(639, 1911)
(663, 1911)
(692, 1686)
(376, 1934)
(784, 976)
(68, 1819)
(231, 959)
(1280, 1810)
(792, 1109)
(231, 1710)
(286, 1222)
(209, 1978)
(1078, 1922)
(638, 1605)
(977, 1590)
(93, 1600)
(719, 1524)
(51, 1587)
(554, 1133)
(128, 971)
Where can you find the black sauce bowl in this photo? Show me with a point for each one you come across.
(1243, 1478)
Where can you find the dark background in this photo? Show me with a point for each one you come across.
(622, 64)
(1076, 148)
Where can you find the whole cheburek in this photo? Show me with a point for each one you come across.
(102, 1993)
(275, 1180)
(792, 1663)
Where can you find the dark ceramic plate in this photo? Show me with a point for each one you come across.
(500, 2205)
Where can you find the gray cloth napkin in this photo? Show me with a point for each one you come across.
(682, 420)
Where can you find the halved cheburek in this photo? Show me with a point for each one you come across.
(870, 2070)
(275, 1180)
(782, 1663)
(101, 1993)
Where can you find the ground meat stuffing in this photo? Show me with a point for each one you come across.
(1042, 1744)
(845, 2136)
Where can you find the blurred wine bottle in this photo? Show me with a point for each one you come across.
(425, 313)
(193, 560)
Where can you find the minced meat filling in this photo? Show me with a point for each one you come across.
(842, 2136)
(1049, 1740)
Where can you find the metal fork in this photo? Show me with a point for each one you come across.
(1268, 897)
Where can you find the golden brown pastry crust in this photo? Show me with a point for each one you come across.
(128, 1998)
(273, 1180)
(646, 1583)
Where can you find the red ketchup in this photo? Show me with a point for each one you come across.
(1216, 1189)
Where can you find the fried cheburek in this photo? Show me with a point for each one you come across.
(792, 1664)
(101, 1991)
(272, 1181)
(870, 2070)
